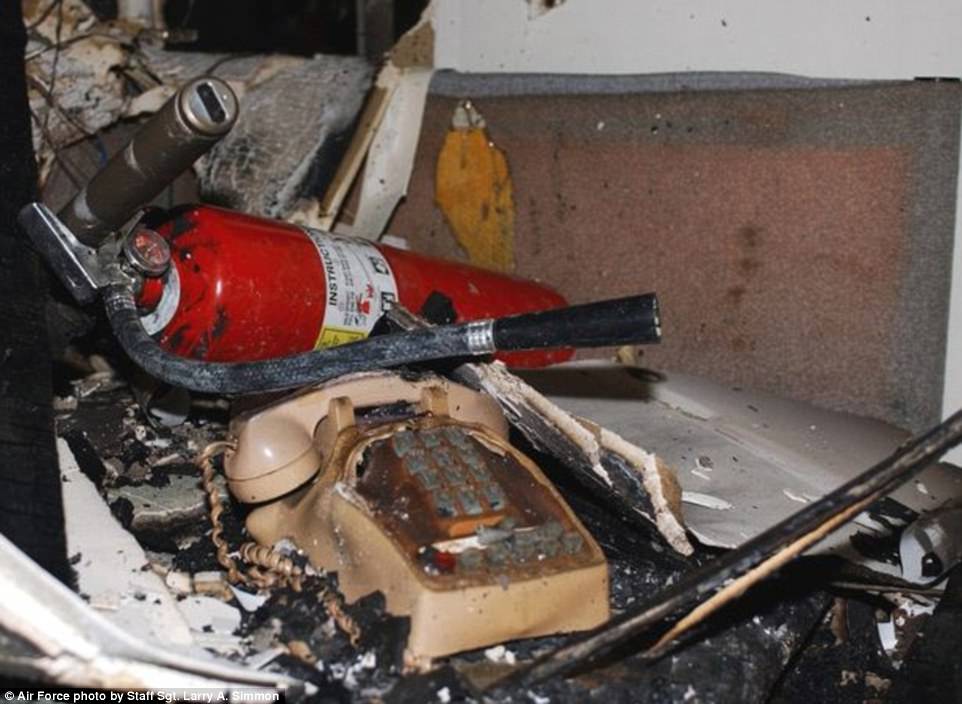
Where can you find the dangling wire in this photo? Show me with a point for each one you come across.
(266, 567)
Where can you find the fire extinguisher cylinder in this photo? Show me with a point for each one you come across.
(243, 288)
(198, 115)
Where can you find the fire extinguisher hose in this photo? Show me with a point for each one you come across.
(632, 320)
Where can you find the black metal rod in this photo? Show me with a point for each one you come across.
(826, 514)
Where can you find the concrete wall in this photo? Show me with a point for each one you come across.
(858, 39)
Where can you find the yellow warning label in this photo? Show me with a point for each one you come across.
(332, 337)
(360, 287)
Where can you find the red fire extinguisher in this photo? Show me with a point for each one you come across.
(219, 302)
(246, 288)
(240, 288)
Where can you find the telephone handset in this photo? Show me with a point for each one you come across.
(411, 488)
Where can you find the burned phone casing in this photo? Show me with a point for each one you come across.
(411, 488)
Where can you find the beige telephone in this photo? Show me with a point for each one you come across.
(412, 489)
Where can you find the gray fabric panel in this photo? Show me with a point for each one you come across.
(848, 303)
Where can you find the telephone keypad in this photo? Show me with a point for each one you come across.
(446, 463)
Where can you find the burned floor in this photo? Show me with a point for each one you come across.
(793, 639)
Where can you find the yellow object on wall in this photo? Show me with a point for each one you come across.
(474, 191)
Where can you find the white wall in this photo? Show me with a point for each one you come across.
(815, 38)
(870, 39)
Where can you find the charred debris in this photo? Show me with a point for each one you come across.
(812, 628)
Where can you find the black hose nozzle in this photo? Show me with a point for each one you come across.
(620, 321)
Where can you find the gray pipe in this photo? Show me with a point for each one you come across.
(185, 128)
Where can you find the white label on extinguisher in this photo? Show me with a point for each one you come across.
(360, 287)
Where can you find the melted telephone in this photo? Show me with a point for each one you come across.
(411, 488)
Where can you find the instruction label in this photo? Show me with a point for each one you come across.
(360, 287)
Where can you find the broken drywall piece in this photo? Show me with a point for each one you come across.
(706, 500)
(500, 654)
(213, 623)
(789, 494)
(248, 601)
(208, 614)
(109, 563)
(390, 157)
(164, 509)
(661, 485)
(179, 583)
(387, 135)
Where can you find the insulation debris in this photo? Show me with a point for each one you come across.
(293, 129)
(76, 86)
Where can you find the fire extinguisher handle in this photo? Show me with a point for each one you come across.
(619, 321)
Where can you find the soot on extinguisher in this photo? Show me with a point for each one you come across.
(243, 288)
